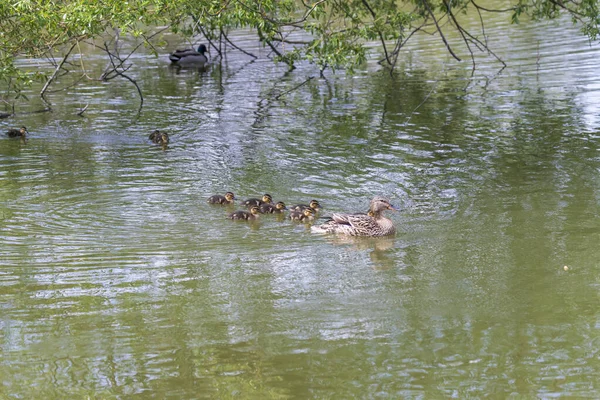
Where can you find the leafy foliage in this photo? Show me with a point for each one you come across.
(332, 32)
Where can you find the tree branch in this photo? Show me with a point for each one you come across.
(387, 57)
(400, 43)
(119, 73)
(575, 14)
(426, 4)
(464, 34)
(492, 10)
(236, 47)
(58, 67)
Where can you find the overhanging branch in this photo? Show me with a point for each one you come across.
(430, 12)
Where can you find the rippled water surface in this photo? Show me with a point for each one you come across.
(118, 280)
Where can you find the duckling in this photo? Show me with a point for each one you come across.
(14, 132)
(308, 214)
(314, 204)
(218, 199)
(159, 137)
(246, 215)
(266, 199)
(268, 208)
(190, 56)
(373, 223)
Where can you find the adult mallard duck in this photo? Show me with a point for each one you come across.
(218, 199)
(246, 215)
(373, 223)
(266, 199)
(314, 204)
(308, 214)
(268, 208)
(159, 137)
(190, 56)
(14, 132)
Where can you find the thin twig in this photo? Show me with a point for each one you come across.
(80, 113)
(296, 23)
(119, 73)
(492, 10)
(294, 88)
(440, 30)
(482, 25)
(473, 39)
(575, 14)
(56, 72)
(460, 30)
(236, 47)
(385, 51)
(400, 43)
(199, 27)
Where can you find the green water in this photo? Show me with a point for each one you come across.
(118, 280)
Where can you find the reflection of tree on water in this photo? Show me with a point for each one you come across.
(383, 249)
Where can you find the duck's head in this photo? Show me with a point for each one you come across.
(202, 49)
(314, 204)
(254, 210)
(23, 131)
(267, 198)
(308, 212)
(379, 204)
(229, 196)
(280, 205)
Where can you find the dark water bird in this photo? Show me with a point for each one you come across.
(373, 223)
(159, 137)
(268, 208)
(266, 199)
(314, 204)
(190, 56)
(308, 214)
(246, 215)
(14, 132)
(219, 199)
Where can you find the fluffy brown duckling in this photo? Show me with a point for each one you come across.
(308, 214)
(218, 199)
(266, 199)
(159, 137)
(269, 208)
(246, 215)
(20, 132)
(314, 204)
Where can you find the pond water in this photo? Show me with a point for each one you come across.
(118, 280)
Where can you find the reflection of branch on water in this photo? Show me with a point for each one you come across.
(294, 88)
(274, 95)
